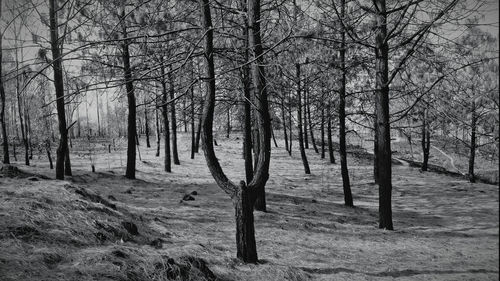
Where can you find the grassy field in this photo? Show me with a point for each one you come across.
(101, 226)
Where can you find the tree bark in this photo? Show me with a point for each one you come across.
(322, 132)
(193, 137)
(303, 155)
(382, 116)
(59, 88)
(245, 230)
(283, 117)
(342, 128)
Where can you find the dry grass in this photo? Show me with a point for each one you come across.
(447, 229)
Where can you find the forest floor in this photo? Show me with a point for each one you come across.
(101, 226)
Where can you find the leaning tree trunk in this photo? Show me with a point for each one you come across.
(166, 127)
(59, 88)
(175, 154)
(303, 155)
(472, 156)
(342, 128)
(243, 196)
(5, 141)
(382, 116)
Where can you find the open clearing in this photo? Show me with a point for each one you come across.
(446, 228)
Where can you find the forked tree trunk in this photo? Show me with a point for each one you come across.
(382, 116)
(342, 130)
(242, 195)
(59, 88)
(303, 155)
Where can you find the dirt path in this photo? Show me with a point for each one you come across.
(452, 161)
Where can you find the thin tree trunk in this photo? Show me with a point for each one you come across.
(283, 118)
(98, 117)
(311, 127)
(425, 141)
(5, 141)
(146, 124)
(306, 137)
(59, 88)
(322, 132)
(228, 119)
(157, 122)
(342, 129)
(166, 127)
(303, 155)
(329, 136)
(290, 122)
(175, 154)
(472, 156)
(382, 115)
(193, 134)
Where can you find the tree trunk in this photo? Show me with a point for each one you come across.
(342, 129)
(472, 156)
(146, 124)
(158, 136)
(299, 117)
(193, 138)
(329, 135)
(311, 127)
(425, 140)
(375, 151)
(247, 123)
(228, 118)
(67, 164)
(290, 122)
(306, 137)
(5, 140)
(59, 88)
(49, 156)
(21, 114)
(245, 231)
(242, 195)
(322, 132)
(283, 117)
(131, 126)
(166, 127)
(382, 115)
(174, 119)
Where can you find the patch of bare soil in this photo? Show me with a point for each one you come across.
(180, 226)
